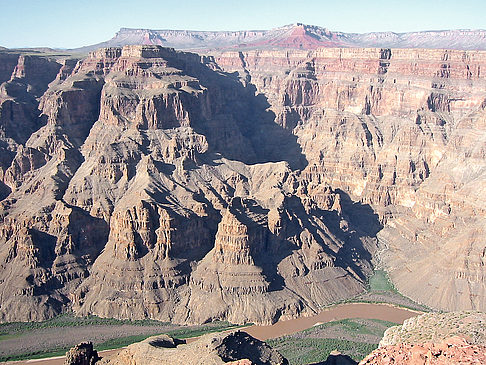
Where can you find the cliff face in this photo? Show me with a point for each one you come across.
(434, 338)
(157, 185)
(146, 182)
(403, 131)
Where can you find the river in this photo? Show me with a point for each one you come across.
(343, 311)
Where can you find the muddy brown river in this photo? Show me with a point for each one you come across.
(344, 311)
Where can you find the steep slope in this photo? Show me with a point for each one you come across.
(147, 182)
(161, 187)
(401, 130)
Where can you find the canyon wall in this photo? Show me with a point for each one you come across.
(246, 186)
(154, 185)
(403, 131)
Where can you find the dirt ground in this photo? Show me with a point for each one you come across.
(45, 338)
(56, 360)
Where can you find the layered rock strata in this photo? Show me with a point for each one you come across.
(403, 131)
(148, 182)
(156, 186)
(294, 36)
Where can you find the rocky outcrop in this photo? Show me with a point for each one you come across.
(226, 348)
(82, 354)
(370, 122)
(395, 129)
(437, 327)
(446, 212)
(434, 338)
(23, 80)
(451, 351)
(159, 186)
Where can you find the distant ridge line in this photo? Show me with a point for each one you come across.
(295, 36)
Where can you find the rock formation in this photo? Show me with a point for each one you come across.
(157, 185)
(82, 354)
(403, 131)
(144, 182)
(434, 338)
(438, 327)
(451, 351)
(212, 349)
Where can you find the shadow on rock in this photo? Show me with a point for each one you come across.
(337, 359)
(240, 126)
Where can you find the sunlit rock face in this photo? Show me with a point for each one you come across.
(154, 184)
(144, 182)
(401, 130)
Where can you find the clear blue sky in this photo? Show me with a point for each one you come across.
(70, 23)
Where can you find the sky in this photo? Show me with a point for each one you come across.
(70, 23)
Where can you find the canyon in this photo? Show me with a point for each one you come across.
(242, 185)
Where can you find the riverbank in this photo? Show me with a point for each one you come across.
(384, 312)
(52, 338)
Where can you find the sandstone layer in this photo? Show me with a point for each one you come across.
(147, 182)
(401, 130)
(294, 36)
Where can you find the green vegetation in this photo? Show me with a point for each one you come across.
(350, 328)
(16, 329)
(69, 320)
(7, 336)
(178, 333)
(353, 337)
(34, 355)
(379, 281)
(201, 330)
(380, 289)
(312, 350)
(359, 327)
